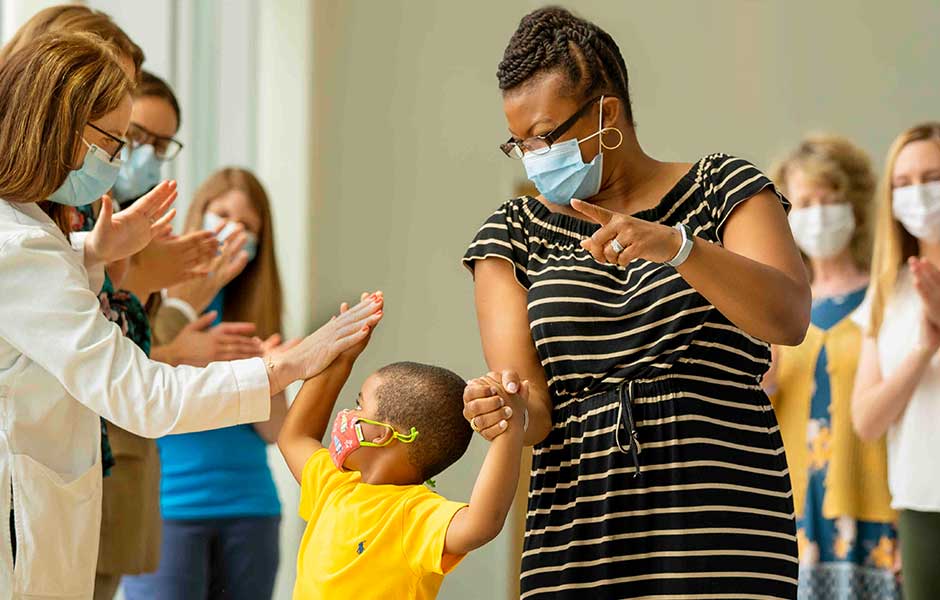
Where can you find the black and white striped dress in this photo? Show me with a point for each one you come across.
(635, 354)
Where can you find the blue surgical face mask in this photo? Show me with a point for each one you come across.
(85, 185)
(211, 220)
(560, 174)
(139, 174)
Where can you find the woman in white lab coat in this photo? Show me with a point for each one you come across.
(64, 108)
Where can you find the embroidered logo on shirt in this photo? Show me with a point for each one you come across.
(361, 548)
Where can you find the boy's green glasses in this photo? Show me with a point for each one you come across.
(405, 438)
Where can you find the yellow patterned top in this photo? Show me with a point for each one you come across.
(857, 479)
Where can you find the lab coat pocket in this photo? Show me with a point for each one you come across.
(57, 527)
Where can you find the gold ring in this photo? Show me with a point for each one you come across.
(473, 424)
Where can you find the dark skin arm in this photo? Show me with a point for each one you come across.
(509, 351)
(309, 415)
(756, 278)
(495, 487)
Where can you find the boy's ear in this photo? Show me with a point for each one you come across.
(384, 437)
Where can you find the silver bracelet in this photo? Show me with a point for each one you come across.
(685, 248)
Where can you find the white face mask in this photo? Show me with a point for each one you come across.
(823, 230)
(917, 207)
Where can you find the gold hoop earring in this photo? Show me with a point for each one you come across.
(619, 142)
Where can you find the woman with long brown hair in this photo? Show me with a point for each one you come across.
(64, 109)
(217, 498)
(898, 383)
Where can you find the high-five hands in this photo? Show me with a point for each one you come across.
(318, 350)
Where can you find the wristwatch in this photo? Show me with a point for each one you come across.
(686, 248)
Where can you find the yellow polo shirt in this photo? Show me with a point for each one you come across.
(369, 541)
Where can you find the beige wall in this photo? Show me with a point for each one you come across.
(407, 119)
(402, 101)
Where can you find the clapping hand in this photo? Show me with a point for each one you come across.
(221, 269)
(118, 236)
(199, 344)
(927, 283)
(166, 262)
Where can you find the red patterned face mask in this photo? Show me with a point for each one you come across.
(347, 436)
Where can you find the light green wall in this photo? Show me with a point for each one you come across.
(408, 117)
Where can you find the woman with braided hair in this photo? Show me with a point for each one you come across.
(632, 304)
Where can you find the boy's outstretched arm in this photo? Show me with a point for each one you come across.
(309, 415)
(495, 488)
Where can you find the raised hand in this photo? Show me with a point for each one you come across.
(638, 238)
(118, 236)
(927, 283)
(353, 353)
(222, 269)
(170, 261)
(318, 350)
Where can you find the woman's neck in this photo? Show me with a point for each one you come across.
(633, 180)
(930, 251)
(836, 275)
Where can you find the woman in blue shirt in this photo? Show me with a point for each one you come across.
(220, 508)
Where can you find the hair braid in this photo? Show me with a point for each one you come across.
(551, 39)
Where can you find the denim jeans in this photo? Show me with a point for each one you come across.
(210, 559)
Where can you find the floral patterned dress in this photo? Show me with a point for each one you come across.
(841, 558)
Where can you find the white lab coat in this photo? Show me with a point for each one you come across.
(61, 365)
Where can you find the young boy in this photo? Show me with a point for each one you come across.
(373, 530)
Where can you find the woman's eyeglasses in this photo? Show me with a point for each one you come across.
(116, 144)
(540, 144)
(165, 148)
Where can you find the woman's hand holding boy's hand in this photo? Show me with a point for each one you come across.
(490, 408)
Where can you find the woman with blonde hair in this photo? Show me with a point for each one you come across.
(220, 508)
(64, 109)
(898, 382)
(845, 525)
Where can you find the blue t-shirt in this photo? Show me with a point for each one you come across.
(219, 473)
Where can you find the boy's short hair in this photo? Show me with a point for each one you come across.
(430, 399)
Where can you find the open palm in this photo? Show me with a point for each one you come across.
(118, 236)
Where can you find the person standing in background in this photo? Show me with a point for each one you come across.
(177, 336)
(64, 109)
(898, 382)
(130, 524)
(845, 525)
(221, 513)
